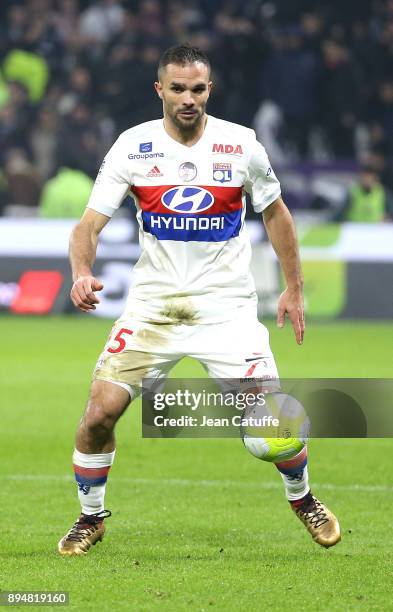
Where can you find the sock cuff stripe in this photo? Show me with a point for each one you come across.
(291, 471)
(297, 461)
(90, 482)
(91, 472)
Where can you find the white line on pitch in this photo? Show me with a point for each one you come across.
(183, 482)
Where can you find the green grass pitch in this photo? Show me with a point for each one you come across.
(197, 524)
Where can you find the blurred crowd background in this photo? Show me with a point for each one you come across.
(313, 77)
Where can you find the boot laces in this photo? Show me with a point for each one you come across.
(314, 513)
(86, 525)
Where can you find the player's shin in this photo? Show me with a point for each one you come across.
(91, 473)
(295, 476)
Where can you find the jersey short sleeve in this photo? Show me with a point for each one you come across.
(262, 184)
(112, 183)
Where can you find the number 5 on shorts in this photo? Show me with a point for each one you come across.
(120, 340)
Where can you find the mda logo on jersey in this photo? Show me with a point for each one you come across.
(187, 199)
(228, 149)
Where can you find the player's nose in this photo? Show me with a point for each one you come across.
(187, 99)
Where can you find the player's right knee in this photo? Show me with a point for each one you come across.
(97, 419)
(105, 406)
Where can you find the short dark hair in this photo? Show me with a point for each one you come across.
(182, 55)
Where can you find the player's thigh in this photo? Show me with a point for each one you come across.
(136, 351)
(239, 349)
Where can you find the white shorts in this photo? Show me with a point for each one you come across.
(234, 349)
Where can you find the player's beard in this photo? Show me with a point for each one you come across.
(188, 125)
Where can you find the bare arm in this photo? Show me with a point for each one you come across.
(83, 247)
(282, 234)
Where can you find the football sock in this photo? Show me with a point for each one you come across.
(91, 473)
(307, 500)
(295, 476)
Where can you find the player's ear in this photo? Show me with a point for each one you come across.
(209, 86)
(158, 88)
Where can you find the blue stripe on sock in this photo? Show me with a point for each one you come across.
(92, 482)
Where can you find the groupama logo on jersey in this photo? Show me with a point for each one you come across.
(187, 199)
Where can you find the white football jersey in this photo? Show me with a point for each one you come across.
(190, 202)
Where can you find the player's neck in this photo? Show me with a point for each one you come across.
(186, 137)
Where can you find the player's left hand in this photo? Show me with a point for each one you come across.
(291, 303)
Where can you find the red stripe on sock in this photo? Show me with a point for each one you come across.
(296, 503)
(296, 460)
(91, 472)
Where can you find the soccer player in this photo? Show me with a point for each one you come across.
(192, 292)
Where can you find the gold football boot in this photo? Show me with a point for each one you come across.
(321, 524)
(85, 533)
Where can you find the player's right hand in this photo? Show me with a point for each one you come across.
(82, 293)
(291, 303)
